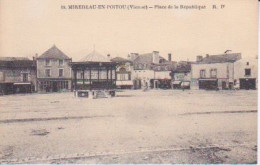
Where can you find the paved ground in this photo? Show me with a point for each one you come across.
(135, 127)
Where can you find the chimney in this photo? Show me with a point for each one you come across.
(108, 56)
(133, 56)
(155, 57)
(35, 57)
(199, 58)
(128, 57)
(169, 57)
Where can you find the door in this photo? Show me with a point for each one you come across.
(230, 85)
(137, 84)
(55, 86)
(224, 85)
(156, 84)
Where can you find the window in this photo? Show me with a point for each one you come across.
(81, 75)
(213, 73)
(140, 66)
(247, 72)
(47, 62)
(202, 73)
(25, 77)
(247, 63)
(2, 76)
(122, 76)
(60, 72)
(48, 73)
(60, 62)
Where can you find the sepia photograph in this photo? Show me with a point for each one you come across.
(128, 82)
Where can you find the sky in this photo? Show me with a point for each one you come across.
(28, 27)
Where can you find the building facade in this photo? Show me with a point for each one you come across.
(214, 71)
(17, 75)
(53, 71)
(246, 73)
(123, 73)
(181, 75)
(151, 70)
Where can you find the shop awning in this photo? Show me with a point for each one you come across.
(176, 82)
(208, 79)
(23, 83)
(124, 83)
(81, 82)
(185, 83)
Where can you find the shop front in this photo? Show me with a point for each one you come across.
(54, 85)
(208, 84)
(247, 83)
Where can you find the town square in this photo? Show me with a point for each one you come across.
(156, 126)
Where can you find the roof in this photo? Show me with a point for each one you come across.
(95, 57)
(183, 67)
(53, 53)
(222, 58)
(16, 62)
(119, 59)
(146, 58)
(169, 66)
(13, 58)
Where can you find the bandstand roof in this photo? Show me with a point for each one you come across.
(95, 57)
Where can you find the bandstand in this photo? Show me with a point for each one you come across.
(94, 76)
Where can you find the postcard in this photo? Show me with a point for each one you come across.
(128, 82)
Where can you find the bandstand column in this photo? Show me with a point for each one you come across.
(83, 77)
(75, 79)
(107, 77)
(90, 81)
(111, 77)
(98, 73)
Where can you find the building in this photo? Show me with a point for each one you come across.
(151, 70)
(214, 71)
(246, 73)
(181, 75)
(162, 75)
(17, 75)
(94, 76)
(124, 73)
(53, 71)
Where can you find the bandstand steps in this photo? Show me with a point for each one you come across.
(101, 94)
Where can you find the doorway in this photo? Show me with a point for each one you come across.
(224, 85)
(55, 86)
